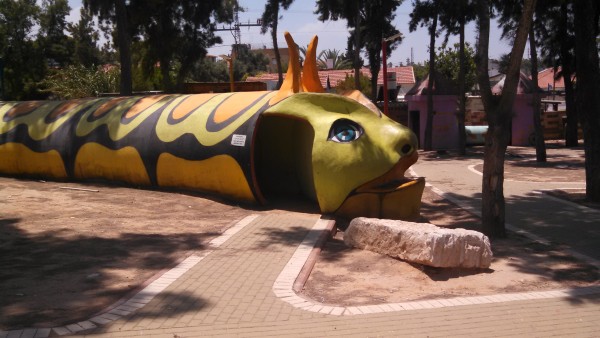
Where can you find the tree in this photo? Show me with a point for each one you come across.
(338, 60)
(540, 145)
(119, 13)
(448, 63)
(426, 13)
(144, 77)
(558, 47)
(348, 84)
(498, 114)
(270, 20)
(57, 47)
(248, 63)
(511, 11)
(454, 16)
(377, 25)
(85, 39)
(567, 49)
(370, 22)
(587, 14)
(159, 25)
(351, 12)
(209, 71)
(504, 60)
(178, 33)
(24, 65)
(421, 71)
(197, 33)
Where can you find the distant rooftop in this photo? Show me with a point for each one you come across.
(404, 76)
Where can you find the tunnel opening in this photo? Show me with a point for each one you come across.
(283, 158)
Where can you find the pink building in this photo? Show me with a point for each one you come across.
(522, 122)
(445, 103)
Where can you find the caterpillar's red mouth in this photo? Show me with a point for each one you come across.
(390, 196)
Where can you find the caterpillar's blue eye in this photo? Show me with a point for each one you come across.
(344, 131)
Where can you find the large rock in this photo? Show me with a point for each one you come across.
(422, 243)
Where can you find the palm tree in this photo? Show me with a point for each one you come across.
(338, 60)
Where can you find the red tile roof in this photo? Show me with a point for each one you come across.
(547, 81)
(404, 75)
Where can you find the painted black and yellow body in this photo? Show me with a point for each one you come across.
(339, 151)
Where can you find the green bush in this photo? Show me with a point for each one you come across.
(77, 81)
(348, 84)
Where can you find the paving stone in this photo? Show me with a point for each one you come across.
(232, 292)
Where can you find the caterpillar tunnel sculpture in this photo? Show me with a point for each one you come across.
(339, 151)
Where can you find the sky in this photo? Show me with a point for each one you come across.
(303, 24)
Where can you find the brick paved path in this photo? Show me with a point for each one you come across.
(237, 290)
(230, 293)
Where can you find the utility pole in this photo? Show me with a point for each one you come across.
(237, 38)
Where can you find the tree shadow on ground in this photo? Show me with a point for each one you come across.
(445, 274)
(451, 155)
(76, 265)
(552, 257)
(561, 163)
(276, 237)
(174, 304)
(547, 219)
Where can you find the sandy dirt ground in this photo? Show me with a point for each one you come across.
(66, 254)
(348, 276)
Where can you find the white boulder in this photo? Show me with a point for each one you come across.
(422, 243)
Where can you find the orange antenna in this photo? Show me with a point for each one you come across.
(310, 73)
(291, 83)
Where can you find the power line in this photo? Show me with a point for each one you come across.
(235, 28)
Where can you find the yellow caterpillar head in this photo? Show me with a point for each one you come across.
(338, 150)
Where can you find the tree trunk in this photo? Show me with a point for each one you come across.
(572, 127)
(540, 145)
(499, 114)
(429, 124)
(124, 44)
(357, 85)
(492, 195)
(588, 82)
(276, 51)
(571, 131)
(462, 100)
(374, 76)
(166, 76)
